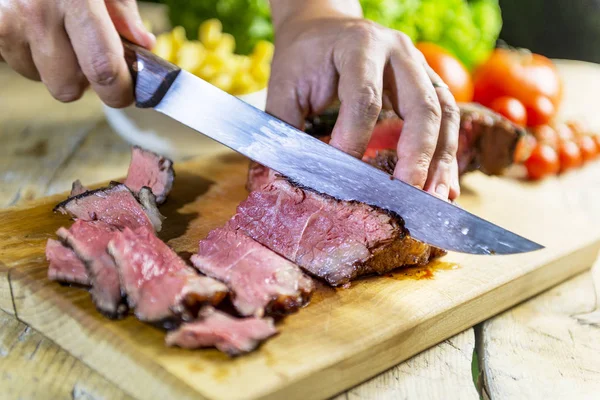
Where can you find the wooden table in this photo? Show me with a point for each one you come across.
(547, 347)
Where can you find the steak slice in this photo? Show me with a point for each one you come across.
(148, 169)
(64, 265)
(262, 282)
(114, 205)
(331, 239)
(158, 283)
(89, 240)
(233, 336)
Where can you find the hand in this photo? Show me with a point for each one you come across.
(323, 56)
(68, 44)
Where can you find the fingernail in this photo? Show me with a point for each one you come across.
(442, 191)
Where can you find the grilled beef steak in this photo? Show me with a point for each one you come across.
(158, 283)
(89, 240)
(230, 335)
(260, 280)
(148, 169)
(331, 239)
(64, 265)
(114, 205)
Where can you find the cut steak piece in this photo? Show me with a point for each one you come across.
(148, 169)
(331, 239)
(385, 160)
(114, 205)
(64, 265)
(77, 188)
(230, 335)
(89, 240)
(261, 281)
(259, 176)
(158, 283)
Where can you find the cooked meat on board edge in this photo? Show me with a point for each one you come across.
(64, 265)
(150, 170)
(487, 140)
(331, 239)
(89, 239)
(232, 336)
(261, 281)
(159, 285)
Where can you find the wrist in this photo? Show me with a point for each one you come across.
(286, 11)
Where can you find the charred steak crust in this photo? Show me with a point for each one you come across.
(61, 207)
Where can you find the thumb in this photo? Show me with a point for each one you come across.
(128, 22)
(283, 102)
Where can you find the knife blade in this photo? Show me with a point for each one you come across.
(310, 162)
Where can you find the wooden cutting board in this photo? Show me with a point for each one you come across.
(344, 336)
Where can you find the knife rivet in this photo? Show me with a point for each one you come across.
(138, 66)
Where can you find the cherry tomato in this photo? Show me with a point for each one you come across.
(523, 75)
(588, 147)
(547, 135)
(540, 111)
(450, 69)
(597, 140)
(564, 132)
(577, 127)
(569, 155)
(542, 162)
(511, 108)
(524, 148)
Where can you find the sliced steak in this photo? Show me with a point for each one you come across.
(77, 188)
(115, 205)
(158, 283)
(89, 240)
(331, 239)
(148, 169)
(228, 334)
(262, 282)
(64, 265)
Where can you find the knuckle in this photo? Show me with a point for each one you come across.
(103, 70)
(403, 39)
(430, 108)
(368, 102)
(451, 112)
(446, 157)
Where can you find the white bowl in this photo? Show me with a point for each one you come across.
(156, 132)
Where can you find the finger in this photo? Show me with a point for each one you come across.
(99, 51)
(455, 183)
(128, 22)
(18, 57)
(14, 50)
(360, 91)
(441, 170)
(54, 57)
(417, 103)
(283, 102)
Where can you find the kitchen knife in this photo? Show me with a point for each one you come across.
(307, 161)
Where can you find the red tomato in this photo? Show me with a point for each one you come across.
(450, 69)
(564, 132)
(542, 162)
(385, 136)
(540, 111)
(569, 155)
(588, 147)
(511, 108)
(547, 135)
(520, 74)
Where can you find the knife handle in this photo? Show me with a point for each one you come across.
(152, 76)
